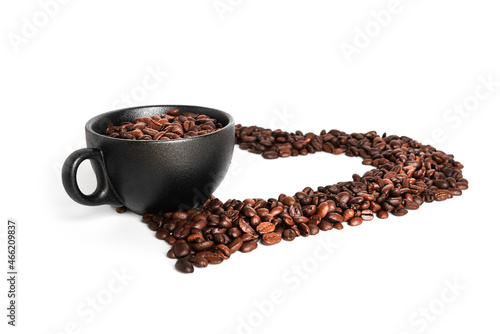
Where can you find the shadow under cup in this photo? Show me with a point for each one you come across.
(152, 176)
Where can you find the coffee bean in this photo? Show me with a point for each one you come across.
(184, 266)
(338, 226)
(235, 245)
(213, 258)
(313, 229)
(442, 195)
(323, 209)
(399, 211)
(249, 211)
(203, 245)
(409, 205)
(170, 239)
(348, 214)
(325, 225)
(309, 210)
(382, 214)
(289, 234)
(334, 217)
(441, 184)
(366, 215)
(355, 221)
(245, 227)
(180, 232)
(162, 233)
(304, 229)
(265, 227)
(199, 261)
(270, 155)
(248, 246)
(295, 210)
(271, 238)
(223, 251)
(301, 220)
(234, 232)
(247, 237)
(181, 249)
(276, 211)
(121, 209)
(171, 254)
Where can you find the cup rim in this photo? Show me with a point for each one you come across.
(93, 120)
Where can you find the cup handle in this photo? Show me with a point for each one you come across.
(103, 194)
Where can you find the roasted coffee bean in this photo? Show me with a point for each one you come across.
(270, 155)
(121, 209)
(276, 211)
(223, 251)
(153, 226)
(265, 227)
(441, 184)
(366, 215)
(162, 233)
(323, 209)
(170, 239)
(348, 214)
(289, 234)
(304, 229)
(325, 225)
(234, 232)
(382, 214)
(355, 221)
(199, 261)
(171, 254)
(220, 238)
(295, 210)
(181, 249)
(203, 245)
(248, 246)
(213, 258)
(245, 227)
(288, 200)
(313, 229)
(179, 215)
(235, 245)
(247, 236)
(301, 220)
(334, 217)
(309, 210)
(338, 226)
(399, 211)
(184, 266)
(410, 205)
(180, 232)
(249, 211)
(271, 238)
(442, 195)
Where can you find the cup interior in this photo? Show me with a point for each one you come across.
(99, 124)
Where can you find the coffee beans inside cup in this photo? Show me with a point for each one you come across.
(171, 125)
(406, 175)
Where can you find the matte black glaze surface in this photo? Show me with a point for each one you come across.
(152, 176)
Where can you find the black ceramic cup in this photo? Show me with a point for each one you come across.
(151, 176)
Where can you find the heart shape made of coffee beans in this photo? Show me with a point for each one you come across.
(406, 174)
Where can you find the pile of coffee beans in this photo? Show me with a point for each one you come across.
(171, 125)
(406, 174)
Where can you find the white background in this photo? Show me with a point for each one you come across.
(273, 64)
